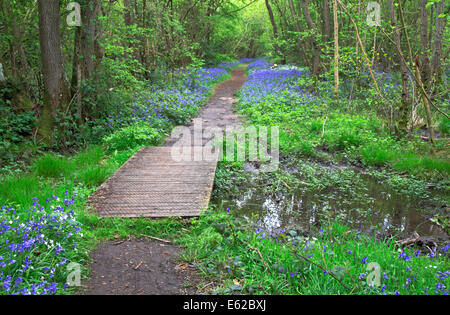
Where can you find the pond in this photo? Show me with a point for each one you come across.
(309, 195)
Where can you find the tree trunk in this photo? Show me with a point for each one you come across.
(145, 40)
(2, 76)
(275, 31)
(403, 110)
(437, 44)
(326, 20)
(314, 44)
(56, 88)
(84, 59)
(298, 29)
(426, 103)
(128, 13)
(336, 49)
(424, 57)
(88, 30)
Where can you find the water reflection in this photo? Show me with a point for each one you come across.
(371, 206)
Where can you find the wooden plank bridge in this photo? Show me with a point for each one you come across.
(153, 183)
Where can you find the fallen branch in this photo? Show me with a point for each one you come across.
(409, 241)
(284, 183)
(157, 239)
(121, 242)
(204, 287)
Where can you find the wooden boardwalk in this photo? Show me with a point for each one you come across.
(152, 184)
(155, 184)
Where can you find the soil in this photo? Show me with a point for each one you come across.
(139, 267)
(146, 267)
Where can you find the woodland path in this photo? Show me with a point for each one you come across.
(153, 183)
(142, 266)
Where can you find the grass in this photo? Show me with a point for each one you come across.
(53, 166)
(52, 174)
(244, 259)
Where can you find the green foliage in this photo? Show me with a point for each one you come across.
(15, 131)
(92, 155)
(131, 137)
(94, 176)
(50, 165)
(377, 153)
(444, 126)
(14, 128)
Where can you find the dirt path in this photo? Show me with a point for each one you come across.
(218, 111)
(143, 267)
(138, 267)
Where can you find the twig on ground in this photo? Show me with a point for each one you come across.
(284, 183)
(139, 265)
(157, 239)
(208, 284)
(122, 241)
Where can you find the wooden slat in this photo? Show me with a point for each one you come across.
(142, 189)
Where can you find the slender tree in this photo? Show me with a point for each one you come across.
(298, 27)
(84, 59)
(326, 24)
(441, 21)
(275, 30)
(336, 49)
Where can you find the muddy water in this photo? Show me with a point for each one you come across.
(359, 201)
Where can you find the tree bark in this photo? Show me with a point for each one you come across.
(89, 14)
(314, 44)
(437, 44)
(86, 52)
(424, 57)
(56, 88)
(326, 20)
(2, 76)
(128, 13)
(336, 49)
(403, 110)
